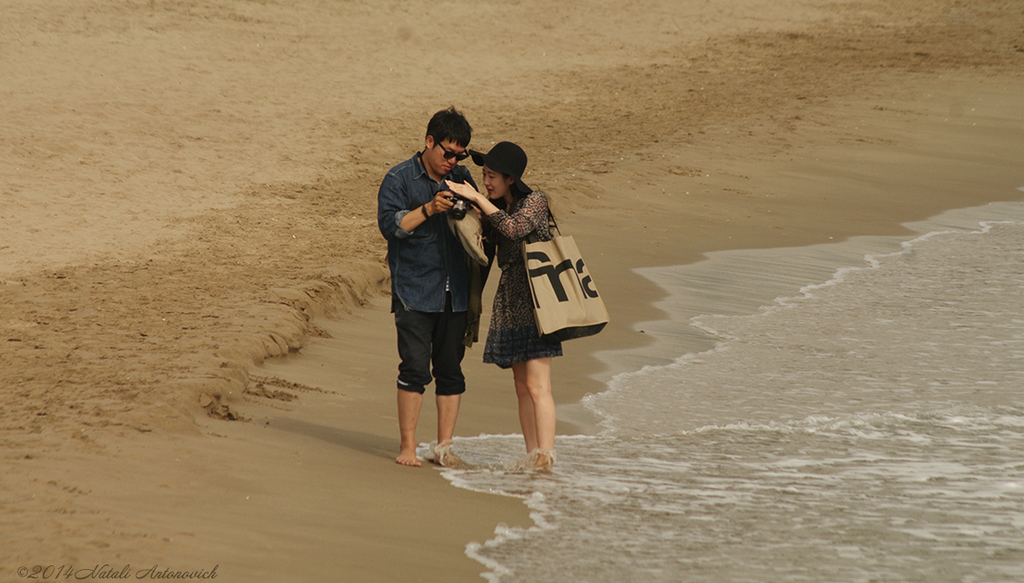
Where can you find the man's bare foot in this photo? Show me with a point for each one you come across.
(408, 458)
(443, 456)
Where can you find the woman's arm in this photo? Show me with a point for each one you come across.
(471, 194)
(528, 216)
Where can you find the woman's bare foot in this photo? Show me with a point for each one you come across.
(544, 459)
(408, 458)
(538, 459)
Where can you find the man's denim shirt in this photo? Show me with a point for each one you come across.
(427, 259)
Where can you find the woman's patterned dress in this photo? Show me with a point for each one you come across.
(513, 335)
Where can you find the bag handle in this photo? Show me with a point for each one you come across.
(552, 226)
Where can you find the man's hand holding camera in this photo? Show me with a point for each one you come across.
(439, 204)
(442, 203)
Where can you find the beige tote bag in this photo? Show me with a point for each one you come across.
(565, 300)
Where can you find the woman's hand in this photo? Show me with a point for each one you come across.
(466, 191)
(469, 193)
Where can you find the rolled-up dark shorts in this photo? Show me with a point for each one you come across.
(430, 348)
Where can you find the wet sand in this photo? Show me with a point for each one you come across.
(188, 193)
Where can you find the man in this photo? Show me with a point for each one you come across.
(429, 280)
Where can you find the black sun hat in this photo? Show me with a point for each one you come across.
(507, 158)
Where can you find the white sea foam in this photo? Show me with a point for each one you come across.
(867, 427)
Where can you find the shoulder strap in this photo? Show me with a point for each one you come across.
(552, 226)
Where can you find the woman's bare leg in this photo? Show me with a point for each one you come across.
(536, 404)
(527, 419)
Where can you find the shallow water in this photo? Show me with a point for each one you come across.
(866, 427)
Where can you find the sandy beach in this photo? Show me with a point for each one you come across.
(196, 356)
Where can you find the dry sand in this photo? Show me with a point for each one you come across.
(187, 189)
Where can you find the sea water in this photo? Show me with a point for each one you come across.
(867, 425)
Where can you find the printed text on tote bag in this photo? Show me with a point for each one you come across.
(554, 271)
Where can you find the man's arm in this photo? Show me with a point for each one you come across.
(419, 215)
(395, 218)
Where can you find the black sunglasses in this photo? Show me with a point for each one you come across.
(448, 154)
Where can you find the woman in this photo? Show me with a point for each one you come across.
(513, 340)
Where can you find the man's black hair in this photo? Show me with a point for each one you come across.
(449, 124)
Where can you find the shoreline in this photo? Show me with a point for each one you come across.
(357, 444)
(482, 414)
(727, 283)
(187, 198)
(866, 170)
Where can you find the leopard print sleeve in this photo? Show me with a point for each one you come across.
(531, 214)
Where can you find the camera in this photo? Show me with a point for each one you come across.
(458, 211)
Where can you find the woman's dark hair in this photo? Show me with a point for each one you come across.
(517, 195)
(449, 124)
